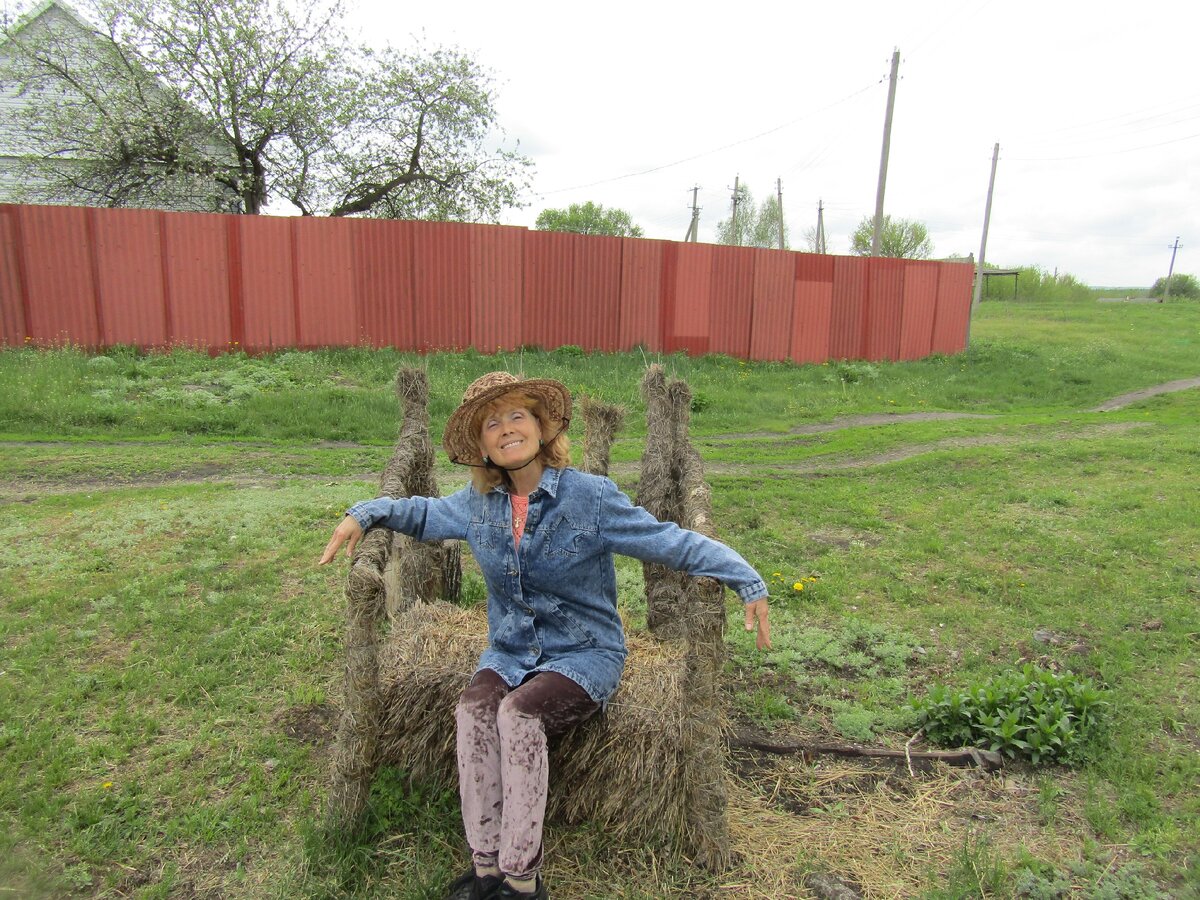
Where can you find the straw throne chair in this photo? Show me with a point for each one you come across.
(650, 770)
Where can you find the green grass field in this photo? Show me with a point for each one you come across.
(170, 656)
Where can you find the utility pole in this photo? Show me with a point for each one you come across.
(883, 160)
(733, 232)
(1167, 290)
(987, 218)
(779, 194)
(694, 227)
(821, 227)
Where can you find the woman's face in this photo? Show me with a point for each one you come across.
(510, 435)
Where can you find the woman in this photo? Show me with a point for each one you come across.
(544, 536)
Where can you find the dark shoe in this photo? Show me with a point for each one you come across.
(508, 892)
(468, 886)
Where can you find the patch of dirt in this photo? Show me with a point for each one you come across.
(310, 723)
(844, 540)
(879, 828)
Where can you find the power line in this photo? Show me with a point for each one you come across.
(960, 9)
(1190, 137)
(737, 143)
(1113, 134)
(1145, 114)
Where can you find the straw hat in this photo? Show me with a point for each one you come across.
(461, 437)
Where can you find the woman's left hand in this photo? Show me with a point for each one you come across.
(756, 618)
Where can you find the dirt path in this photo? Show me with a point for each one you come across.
(907, 451)
(843, 422)
(28, 491)
(1134, 396)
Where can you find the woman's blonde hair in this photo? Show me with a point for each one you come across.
(554, 454)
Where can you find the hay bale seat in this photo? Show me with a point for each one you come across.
(629, 768)
(649, 770)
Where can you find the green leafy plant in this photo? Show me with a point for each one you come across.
(765, 706)
(1032, 712)
(853, 372)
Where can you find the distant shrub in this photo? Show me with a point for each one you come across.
(1033, 713)
(1181, 286)
(1035, 283)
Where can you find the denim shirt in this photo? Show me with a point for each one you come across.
(552, 600)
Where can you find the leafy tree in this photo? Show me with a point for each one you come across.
(755, 226)
(1181, 286)
(899, 238)
(261, 100)
(588, 218)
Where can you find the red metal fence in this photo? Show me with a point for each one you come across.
(98, 277)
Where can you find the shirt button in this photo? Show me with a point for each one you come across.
(534, 650)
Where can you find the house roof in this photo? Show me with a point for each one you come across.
(35, 13)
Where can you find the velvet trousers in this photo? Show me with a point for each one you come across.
(503, 765)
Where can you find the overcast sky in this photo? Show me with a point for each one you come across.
(1096, 107)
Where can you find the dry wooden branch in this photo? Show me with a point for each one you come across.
(968, 756)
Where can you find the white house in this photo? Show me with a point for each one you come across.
(41, 163)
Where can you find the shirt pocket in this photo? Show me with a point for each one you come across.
(569, 627)
(566, 540)
(484, 534)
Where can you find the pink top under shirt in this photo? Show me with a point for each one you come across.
(520, 509)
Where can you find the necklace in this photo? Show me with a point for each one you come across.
(520, 512)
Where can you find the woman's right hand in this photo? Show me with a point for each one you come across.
(348, 532)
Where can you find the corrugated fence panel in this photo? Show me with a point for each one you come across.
(267, 280)
(197, 280)
(442, 285)
(549, 279)
(689, 328)
(814, 305)
(774, 288)
(129, 272)
(595, 314)
(953, 308)
(885, 301)
(641, 291)
(327, 315)
(848, 315)
(12, 308)
(58, 272)
(383, 282)
(732, 300)
(497, 288)
(97, 277)
(920, 303)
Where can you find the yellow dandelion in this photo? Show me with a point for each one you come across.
(798, 586)
(107, 785)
